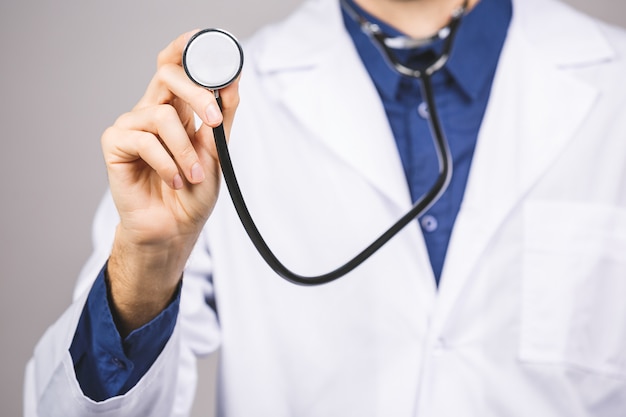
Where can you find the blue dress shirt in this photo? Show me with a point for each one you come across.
(461, 90)
(107, 366)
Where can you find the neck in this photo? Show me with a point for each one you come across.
(416, 18)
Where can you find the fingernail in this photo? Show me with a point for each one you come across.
(197, 173)
(213, 114)
(178, 182)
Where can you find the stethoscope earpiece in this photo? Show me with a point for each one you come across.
(213, 58)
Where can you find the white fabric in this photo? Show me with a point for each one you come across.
(530, 317)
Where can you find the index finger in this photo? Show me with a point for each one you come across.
(173, 53)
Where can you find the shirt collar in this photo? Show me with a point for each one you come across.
(474, 55)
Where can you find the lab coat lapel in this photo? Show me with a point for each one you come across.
(534, 111)
(359, 134)
(338, 103)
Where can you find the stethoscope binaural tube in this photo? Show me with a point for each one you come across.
(421, 206)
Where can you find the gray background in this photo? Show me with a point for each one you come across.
(69, 68)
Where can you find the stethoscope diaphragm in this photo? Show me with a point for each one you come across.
(213, 58)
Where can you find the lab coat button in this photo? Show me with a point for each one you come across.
(422, 110)
(429, 223)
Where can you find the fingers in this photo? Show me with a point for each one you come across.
(156, 136)
(171, 82)
(160, 130)
(173, 53)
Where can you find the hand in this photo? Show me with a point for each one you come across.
(164, 178)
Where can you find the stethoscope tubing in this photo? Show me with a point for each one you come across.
(419, 208)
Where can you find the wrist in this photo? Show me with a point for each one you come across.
(142, 280)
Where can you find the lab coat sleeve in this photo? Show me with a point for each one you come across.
(167, 389)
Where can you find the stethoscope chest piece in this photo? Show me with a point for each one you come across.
(213, 58)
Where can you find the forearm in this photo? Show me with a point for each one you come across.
(143, 279)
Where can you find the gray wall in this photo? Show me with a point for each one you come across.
(68, 69)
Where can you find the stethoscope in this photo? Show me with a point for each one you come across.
(213, 58)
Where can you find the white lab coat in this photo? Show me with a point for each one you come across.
(530, 317)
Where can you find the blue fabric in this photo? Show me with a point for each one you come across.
(106, 365)
(461, 90)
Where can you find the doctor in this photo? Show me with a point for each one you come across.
(505, 299)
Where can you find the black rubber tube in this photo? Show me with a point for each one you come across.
(421, 206)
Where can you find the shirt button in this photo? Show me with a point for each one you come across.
(119, 363)
(422, 110)
(429, 223)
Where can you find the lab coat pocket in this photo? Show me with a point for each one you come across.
(574, 287)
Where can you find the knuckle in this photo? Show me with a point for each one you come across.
(165, 71)
(166, 113)
(110, 135)
(163, 57)
(108, 143)
(143, 140)
(106, 137)
(187, 153)
(122, 120)
(165, 166)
